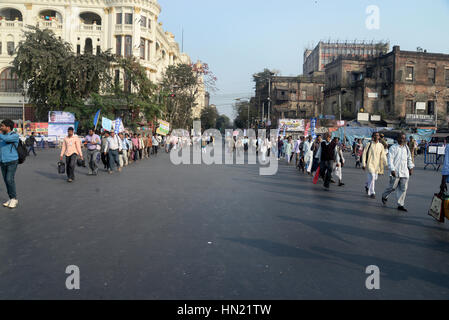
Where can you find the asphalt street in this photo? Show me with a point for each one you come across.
(160, 231)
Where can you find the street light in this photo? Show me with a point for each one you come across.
(24, 93)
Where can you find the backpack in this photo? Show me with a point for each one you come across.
(28, 142)
(21, 151)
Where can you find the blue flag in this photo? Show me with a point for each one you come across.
(97, 116)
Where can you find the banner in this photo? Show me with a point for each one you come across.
(59, 122)
(313, 127)
(292, 125)
(164, 128)
(118, 126)
(106, 124)
(306, 131)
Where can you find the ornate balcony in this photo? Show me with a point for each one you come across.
(4, 24)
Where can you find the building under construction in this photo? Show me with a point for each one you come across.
(326, 52)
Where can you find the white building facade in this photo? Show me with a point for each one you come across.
(127, 27)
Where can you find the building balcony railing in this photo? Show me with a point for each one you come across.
(50, 25)
(10, 24)
(90, 28)
(124, 28)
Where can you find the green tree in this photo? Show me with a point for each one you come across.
(209, 116)
(57, 79)
(223, 122)
(241, 109)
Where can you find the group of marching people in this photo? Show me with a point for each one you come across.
(324, 156)
(115, 151)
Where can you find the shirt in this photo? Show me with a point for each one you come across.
(376, 155)
(71, 146)
(297, 145)
(113, 143)
(307, 148)
(400, 161)
(155, 141)
(92, 139)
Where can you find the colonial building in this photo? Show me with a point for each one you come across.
(326, 52)
(298, 97)
(401, 86)
(129, 28)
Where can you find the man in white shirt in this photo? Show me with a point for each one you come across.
(308, 154)
(401, 168)
(113, 148)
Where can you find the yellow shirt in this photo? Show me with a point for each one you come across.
(377, 157)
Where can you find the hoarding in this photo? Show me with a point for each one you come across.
(59, 122)
(292, 125)
(363, 117)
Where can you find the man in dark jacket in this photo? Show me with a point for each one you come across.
(30, 141)
(328, 157)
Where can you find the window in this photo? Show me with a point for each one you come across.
(98, 50)
(431, 75)
(0, 47)
(78, 49)
(117, 77)
(388, 106)
(10, 47)
(149, 50)
(431, 107)
(8, 81)
(149, 23)
(88, 48)
(128, 46)
(143, 22)
(409, 76)
(447, 108)
(118, 18)
(446, 71)
(128, 18)
(142, 48)
(410, 107)
(118, 45)
(126, 83)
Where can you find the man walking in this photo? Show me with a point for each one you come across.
(112, 150)
(71, 149)
(373, 160)
(308, 154)
(92, 143)
(9, 160)
(401, 166)
(30, 142)
(104, 155)
(125, 148)
(328, 157)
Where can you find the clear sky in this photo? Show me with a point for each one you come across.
(238, 38)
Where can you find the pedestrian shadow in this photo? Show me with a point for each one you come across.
(395, 271)
(380, 216)
(51, 176)
(276, 249)
(333, 230)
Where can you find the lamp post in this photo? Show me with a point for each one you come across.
(24, 93)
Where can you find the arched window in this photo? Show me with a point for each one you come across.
(88, 48)
(9, 81)
(10, 14)
(90, 18)
(50, 15)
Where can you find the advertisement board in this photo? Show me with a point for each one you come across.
(292, 125)
(59, 122)
(363, 117)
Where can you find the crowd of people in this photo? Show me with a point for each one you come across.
(324, 159)
(114, 151)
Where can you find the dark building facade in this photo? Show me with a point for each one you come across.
(326, 52)
(298, 97)
(401, 86)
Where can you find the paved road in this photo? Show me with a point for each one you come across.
(159, 231)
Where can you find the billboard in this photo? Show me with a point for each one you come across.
(59, 122)
(292, 125)
(38, 127)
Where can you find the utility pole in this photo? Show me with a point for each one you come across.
(269, 97)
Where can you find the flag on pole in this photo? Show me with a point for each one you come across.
(97, 116)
